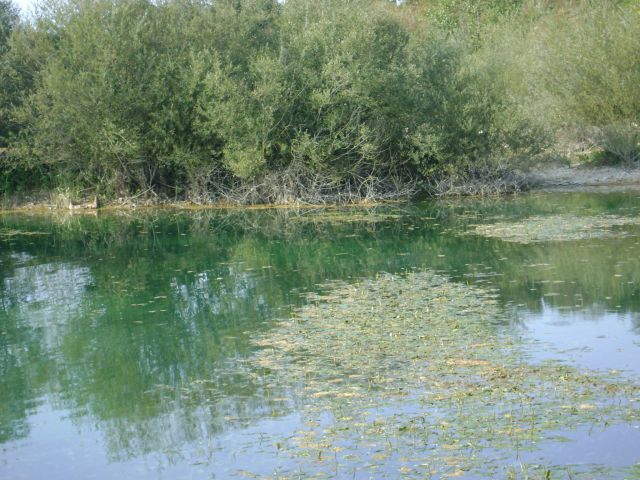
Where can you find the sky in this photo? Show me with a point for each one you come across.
(25, 6)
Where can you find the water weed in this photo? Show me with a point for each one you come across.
(563, 227)
(412, 375)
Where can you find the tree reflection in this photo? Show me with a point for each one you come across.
(140, 325)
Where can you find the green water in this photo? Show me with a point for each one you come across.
(127, 339)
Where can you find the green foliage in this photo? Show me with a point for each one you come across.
(305, 99)
(597, 77)
(114, 108)
(9, 18)
(595, 64)
(320, 98)
(469, 16)
(576, 71)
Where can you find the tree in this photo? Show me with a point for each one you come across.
(9, 18)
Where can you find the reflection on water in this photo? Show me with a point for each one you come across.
(124, 338)
(42, 297)
(592, 337)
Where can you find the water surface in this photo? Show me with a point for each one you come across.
(127, 339)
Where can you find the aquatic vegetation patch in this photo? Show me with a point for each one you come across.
(562, 227)
(10, 233)
(338, 217)
(412, 376)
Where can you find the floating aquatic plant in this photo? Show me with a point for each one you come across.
(413, 376)
(561, 227)
(343, 216)
(9, 233)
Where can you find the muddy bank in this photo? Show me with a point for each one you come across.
(584, 178)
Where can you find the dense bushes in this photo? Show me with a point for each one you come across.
(591, 74)
(9, 19)
(257, 100)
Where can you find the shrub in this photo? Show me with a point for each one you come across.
(309, 100)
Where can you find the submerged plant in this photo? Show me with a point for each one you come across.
(561, 227)
(413, 375)
(9, 233)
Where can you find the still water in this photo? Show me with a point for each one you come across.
(127, 339)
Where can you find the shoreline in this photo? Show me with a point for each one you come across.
(552, 179)
(583, 177)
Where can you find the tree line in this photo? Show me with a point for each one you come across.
(311, 100)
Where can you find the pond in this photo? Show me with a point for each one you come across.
(495, 338)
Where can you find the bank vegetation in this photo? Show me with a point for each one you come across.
(260, 101)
